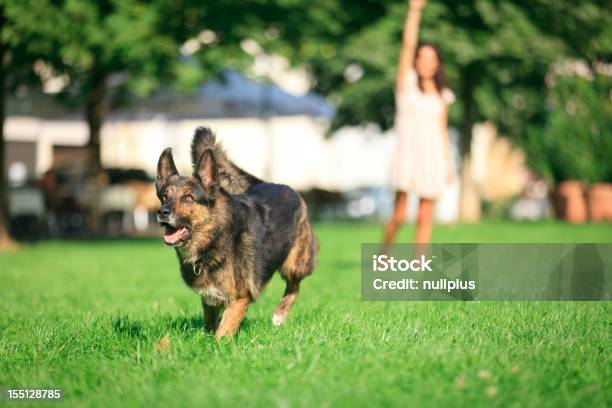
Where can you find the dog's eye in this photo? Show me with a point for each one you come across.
(188, 198)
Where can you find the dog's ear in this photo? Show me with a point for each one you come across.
(206, 170)
(165, 169)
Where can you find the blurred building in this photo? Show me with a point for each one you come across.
(250, 117)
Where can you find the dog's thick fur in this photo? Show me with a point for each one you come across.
(231, 232)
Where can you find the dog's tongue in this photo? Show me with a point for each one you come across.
(172, 235)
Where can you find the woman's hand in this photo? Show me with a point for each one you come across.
(417, 4)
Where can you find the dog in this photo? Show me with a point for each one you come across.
(231, 232)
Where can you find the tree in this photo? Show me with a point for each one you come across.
(5, 239)
(17, 55)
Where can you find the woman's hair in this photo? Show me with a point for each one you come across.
(439, 78)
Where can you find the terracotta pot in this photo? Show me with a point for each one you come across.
(570, 202)
(599, 200)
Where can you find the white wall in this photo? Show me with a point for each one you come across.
(46, 134)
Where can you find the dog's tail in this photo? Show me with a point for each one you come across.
(232, 178)
(202, 139)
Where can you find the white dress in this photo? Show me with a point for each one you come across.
(419, 164)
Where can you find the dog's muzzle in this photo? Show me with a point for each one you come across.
(174, 234)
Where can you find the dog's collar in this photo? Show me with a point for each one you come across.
(197, 270)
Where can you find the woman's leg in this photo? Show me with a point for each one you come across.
(424, 216)
(397, 219)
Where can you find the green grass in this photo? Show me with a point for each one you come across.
(86, 317)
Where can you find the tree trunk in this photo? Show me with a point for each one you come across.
(6, 243)
(95, 114)
(469, 201)
(467, 98)
(4, 215)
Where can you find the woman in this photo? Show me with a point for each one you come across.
(421, 165)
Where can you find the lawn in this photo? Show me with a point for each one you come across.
(89, 317)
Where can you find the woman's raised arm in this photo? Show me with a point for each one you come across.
(409, 41)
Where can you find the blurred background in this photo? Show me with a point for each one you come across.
(300, 92)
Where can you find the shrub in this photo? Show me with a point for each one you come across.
(576, 140)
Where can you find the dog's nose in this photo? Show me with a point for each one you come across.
(163, 212)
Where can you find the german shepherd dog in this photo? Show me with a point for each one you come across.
(231, 232)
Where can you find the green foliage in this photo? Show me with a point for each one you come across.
(92, 40)
(87, 316)
(576, 142)
(496, 53)
(21, 47)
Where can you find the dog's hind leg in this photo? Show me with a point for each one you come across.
(300, 263)
(282, 311)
